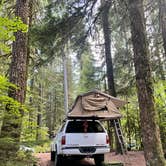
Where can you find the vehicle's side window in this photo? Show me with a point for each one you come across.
(62, 127)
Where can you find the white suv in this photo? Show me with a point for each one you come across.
(78, 139)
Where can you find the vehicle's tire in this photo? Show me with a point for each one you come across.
(58, 160)
(53, 156)
(99, 159)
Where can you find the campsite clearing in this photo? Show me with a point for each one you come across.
(134, 158)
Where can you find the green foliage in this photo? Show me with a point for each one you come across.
(45, 101)
(60, 25)
(160, 100)
(21, 159)
(131, 121)
(10, 110)
(4, 99)
(88, 74)
(4, 85)
(43, 148)
(7, 29)
(26, 158)
(61, 22)
(8, 102)
(7, 156)
(30, 129)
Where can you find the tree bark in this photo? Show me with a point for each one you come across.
(11, 127)
(39, 115)
(148, 114)
(162, 17)
(18, 67)
(31, 117)
(107, 44)
(108, 57)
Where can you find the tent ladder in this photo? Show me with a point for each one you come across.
(120, 135)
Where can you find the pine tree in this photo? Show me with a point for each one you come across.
(148, 114)
(11, 127)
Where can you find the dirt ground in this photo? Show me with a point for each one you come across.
(133, 158)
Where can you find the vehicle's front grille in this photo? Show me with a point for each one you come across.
(87, 149)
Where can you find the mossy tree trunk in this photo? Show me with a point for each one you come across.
(148, 114)
(11, 127)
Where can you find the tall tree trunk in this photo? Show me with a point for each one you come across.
(109, 66)
(31, 118)
(18, 75)
(39, 114)
(162, 16)
(12, 122)
(32, 79)
(49, 114)
(148, 114)
(54, 111)
(18, 67)
(107, 44)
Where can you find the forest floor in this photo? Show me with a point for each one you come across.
(133, 158)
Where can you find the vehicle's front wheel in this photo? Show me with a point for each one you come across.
(53, 156)
(58, 160)
(99, 159)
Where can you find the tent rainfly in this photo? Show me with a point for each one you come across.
(96, 104)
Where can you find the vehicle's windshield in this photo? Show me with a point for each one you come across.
(84, 127)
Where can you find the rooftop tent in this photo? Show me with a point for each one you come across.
(96, 104)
